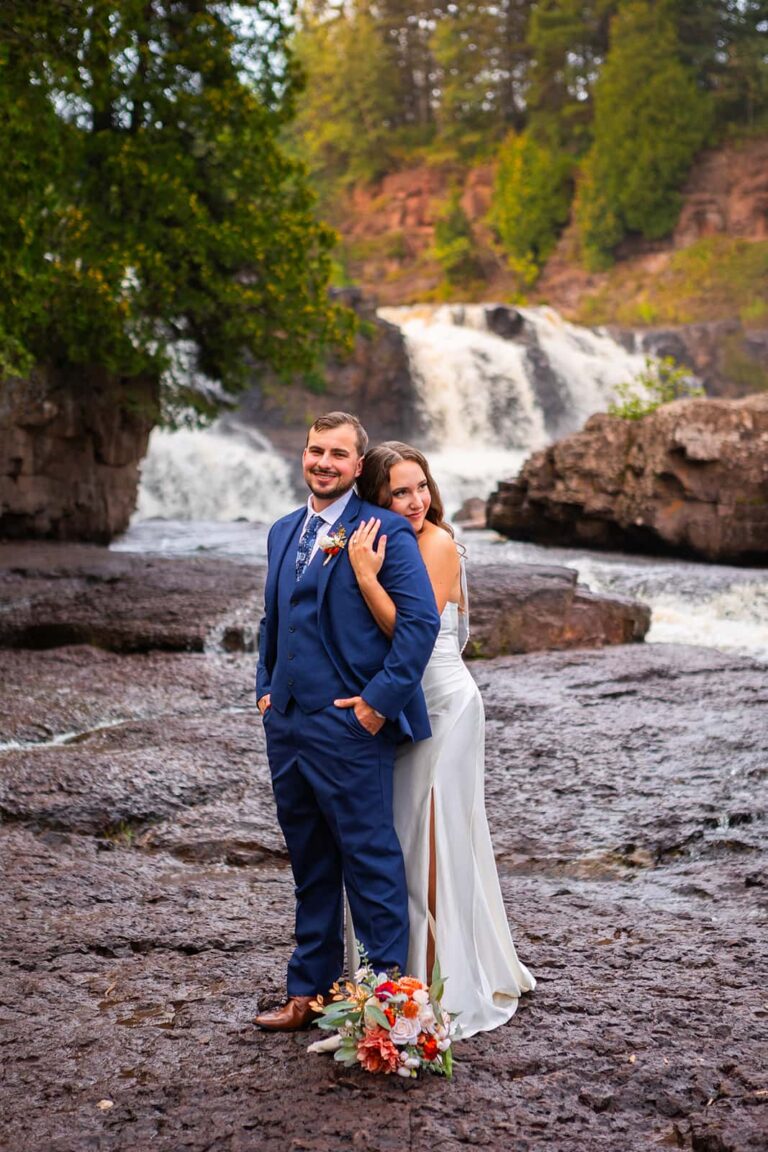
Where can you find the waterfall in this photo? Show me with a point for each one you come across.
(497, 383)
(224, 472)
(493, 384)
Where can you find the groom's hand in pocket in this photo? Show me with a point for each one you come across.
(370, 719)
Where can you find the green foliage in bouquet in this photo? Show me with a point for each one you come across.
(389, 1023)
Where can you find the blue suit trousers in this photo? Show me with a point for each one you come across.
(333, 789)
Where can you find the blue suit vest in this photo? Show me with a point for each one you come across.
(303, 671)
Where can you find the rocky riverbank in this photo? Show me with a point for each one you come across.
(689, 479)
(147, 901)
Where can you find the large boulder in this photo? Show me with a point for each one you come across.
(690, 479)
(70, 451)
(517, 608)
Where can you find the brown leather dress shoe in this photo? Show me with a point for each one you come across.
(292, 1016)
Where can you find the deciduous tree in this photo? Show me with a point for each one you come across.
(148, 208)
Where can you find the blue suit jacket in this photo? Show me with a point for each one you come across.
(386, 673)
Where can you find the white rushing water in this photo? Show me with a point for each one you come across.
(487, 403)
(213, 474)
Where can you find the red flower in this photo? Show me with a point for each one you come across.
(430, 1048)
(385, 990)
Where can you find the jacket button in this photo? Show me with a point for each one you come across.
(290, 655)
(290, 683)
(291, 628)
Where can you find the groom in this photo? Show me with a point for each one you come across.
(336, 696)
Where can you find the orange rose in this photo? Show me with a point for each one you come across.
(410, 1009)
(408, 984)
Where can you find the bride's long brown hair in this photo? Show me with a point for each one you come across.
(373, 481)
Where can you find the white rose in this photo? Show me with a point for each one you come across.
(426, 1017)
(404, 1031)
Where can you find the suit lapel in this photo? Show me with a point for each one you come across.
(348, 520)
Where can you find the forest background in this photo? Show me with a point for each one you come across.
(586, 117)
(171, 169)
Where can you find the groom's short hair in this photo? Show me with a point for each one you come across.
(335, 420)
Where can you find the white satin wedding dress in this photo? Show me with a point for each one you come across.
(484, 977)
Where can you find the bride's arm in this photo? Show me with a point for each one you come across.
(438, 551)
(366, 565)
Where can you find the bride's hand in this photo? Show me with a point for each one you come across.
(365, 560)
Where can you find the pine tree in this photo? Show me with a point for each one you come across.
(347, 119)
(651, 118)
(568, 40)
(480, 60)
(531, 202)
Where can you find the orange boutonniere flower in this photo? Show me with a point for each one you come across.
(334, 543)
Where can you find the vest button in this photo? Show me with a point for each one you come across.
(290, 655)
(291, 628)
(290, 683)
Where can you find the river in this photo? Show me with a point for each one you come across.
(487, 403)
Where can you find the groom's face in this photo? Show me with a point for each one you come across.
(331, 463)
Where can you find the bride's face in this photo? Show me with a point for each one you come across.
(410, 492)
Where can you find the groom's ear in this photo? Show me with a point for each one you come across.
(359, 467)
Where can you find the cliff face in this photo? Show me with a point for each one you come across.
(388, 234)
(388, 229)
(374, 382)
(691, 478)
(69, 457)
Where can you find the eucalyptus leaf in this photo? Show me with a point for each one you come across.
(373, 1012)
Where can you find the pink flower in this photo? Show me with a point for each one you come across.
(405, 1031)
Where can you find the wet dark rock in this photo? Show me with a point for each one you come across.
(689, 479)
(147, 911)
(147, 904)
(531, 608)
(56, 595)
(503, 321)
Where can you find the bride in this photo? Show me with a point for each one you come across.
(455, 904)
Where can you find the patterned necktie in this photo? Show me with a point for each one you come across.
(304, 551)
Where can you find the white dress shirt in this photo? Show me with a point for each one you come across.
(330, 514)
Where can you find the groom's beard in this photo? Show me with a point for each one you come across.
(329, 491)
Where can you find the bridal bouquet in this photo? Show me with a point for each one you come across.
(387, 1024)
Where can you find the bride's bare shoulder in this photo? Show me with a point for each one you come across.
(436, 542)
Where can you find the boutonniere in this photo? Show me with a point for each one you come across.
(332, 544)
